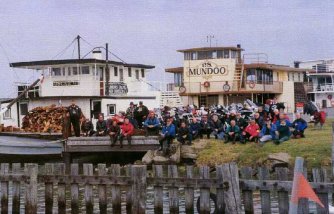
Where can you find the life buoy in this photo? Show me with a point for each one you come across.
(251, 84)
(329, 96)
(182, 89)
(206, 84)
(226, 87)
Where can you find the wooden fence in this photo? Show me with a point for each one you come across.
(232, 194)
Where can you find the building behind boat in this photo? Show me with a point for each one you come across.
(224, 75)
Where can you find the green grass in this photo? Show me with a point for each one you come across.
(315, 148)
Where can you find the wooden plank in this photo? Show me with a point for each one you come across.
(89, 197)
(49, 170)
(189, 192)
(158, 190)
(220, 189)
(61, 189)
(231, 186)
(116, 190)
(31, 170)
(283, 196)
(247, 173)
(128, 192)
(108, 148)
(320, 175)
(75, 190)
(102, 188)
(173, 191)
(16, 169)
(263, 174)
(4, 189)
(204, 173)
(138, 175)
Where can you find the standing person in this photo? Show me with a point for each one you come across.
(87, 128)
(194, 128)
(267, 132)
(283, 133)
(151, 125)
(205, 127)
(140, 114)
(130, 113)
(113, 132)
(167, 134)
(127, 130)
(217, 127)
(299, 125)
(101, 126)
(75, 114)
(319, 118)
(232, 132)
(183, 134)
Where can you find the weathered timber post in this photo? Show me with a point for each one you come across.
(247, 173)
(158, 190)
(31, 170)
(220, 189)
(263, 174)
(61, 190)
(49, 170)
(74, 190)
(102, 190)
(283, 195)
(129, 191)
(16, 169)
(4, 189)
(320, 175)
(299, 168)
(116, 190)
(231, 186)
(89, 197)
(204, 191)
(189, 192)
(173, 191)
(138, 175)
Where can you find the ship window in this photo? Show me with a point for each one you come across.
(69, 71)
(187, 56)
(193, 55)
(129, 72)
(142, 73)
(177, 79)
(63, 71)
(115, 71)
(85, 70)
(214, 55)
(226, 54)
(223, 54)
(7, 114)
(137, 74)
(251, 75)
(23, 108)
(233, 54)
(56, 72)
(203, 55)
(75, 71)
(111, 109)
(121, 76)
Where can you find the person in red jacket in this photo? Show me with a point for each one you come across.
(251, 132)
(127, 130)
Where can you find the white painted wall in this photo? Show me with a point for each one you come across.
(13, 120)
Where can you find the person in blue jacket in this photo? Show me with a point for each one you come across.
(168, 133)
(151, 124)
(195, 128)
(283, 117)
(299, 126)
(267, 132)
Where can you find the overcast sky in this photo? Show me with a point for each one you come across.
(150, 32)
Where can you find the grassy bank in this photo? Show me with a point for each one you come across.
(315, 148)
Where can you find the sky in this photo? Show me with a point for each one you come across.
(150, 31)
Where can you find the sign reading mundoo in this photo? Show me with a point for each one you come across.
(207, 69)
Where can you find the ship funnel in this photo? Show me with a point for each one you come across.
(97, 54)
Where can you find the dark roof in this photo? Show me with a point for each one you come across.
(74, 61)
(275, 67)
(174, 70)
(211, 49)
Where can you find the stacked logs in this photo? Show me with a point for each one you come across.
(44, 119)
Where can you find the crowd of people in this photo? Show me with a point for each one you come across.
(264, 125)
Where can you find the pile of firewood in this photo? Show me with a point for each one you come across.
(44, 119)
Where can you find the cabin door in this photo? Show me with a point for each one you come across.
(95, 109)
(22, 111)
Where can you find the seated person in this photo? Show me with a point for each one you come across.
(167, 134)
(217, 127)
(205, 127)
(274, 116)
(183, 134)
(127, 130)
(232, 132)
(282, 117)
(258, 120)
(240, 122)
(87, 128)
(267, 132)
(151, 124)
(299, 125)
(194, 128)
(113, 132)
(119, 117)
(251, 132)
(101, 126)
(283, 133)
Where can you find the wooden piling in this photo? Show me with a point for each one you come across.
(4, 189)
(204, 173)
(283, 196)
(61, 189)
(138, 176)
(173, 191)
(31, 170)
(189, 192)
(263, 174)
(158, 190)
(247, 173)
(16, 169)
(49, 170)
(89, 200)
(75, 190)
(231, 187)
(220, 189)
(102, 188)
(116, 190)
(320, 175)
(129, 191)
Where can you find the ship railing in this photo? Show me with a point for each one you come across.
(328, 87)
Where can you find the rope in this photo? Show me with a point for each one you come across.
(61, 52)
